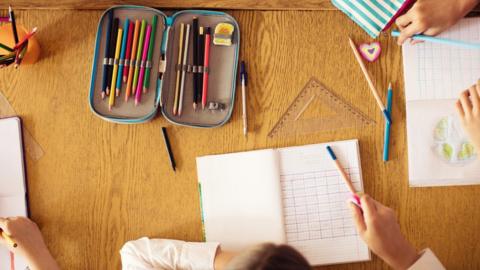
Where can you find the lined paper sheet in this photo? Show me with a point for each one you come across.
(12, 182)
(318, 221)
(435, 71)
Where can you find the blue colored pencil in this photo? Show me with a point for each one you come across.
(107, 49)
(122, 57)
(386, 140)
(439, 40)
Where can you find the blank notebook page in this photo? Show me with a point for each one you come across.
(240, 196)
(437, 71)
(318, 221)
(12, 182)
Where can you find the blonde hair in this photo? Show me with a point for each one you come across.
(269, 257)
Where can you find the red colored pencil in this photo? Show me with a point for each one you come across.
(25, 38)
(131, 26)
(206, 63)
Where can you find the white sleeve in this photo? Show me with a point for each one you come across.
(427, 261)
(165, 254)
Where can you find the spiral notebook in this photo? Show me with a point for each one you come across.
(290, 195)
(12, 183)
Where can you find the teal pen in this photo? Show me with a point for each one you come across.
(444, 41)
(386, 140)
(122, 57)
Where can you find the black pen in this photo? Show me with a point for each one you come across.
(169, 149)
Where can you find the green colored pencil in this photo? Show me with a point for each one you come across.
(146, 82)
(5, 47)
(139, 56)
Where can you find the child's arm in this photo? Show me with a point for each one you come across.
(468, 107)
(30, 243)
(379, 228)
(431, 17)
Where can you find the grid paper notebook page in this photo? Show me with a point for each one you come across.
(318, 221)
(12, 182)
(436, 71)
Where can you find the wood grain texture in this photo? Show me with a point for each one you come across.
(100, 184)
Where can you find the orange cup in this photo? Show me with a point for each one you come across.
(6, 37)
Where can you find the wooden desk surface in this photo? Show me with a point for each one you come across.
(101, 184)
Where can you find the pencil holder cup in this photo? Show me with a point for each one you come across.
(6, 37)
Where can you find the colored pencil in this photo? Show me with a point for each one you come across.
(14, 24)
(107, 53)
(369, 81)
(386, 140)
(121, 61)
(244, 78)
(25, 38)
(5, 47)
(179, 69)
(201, 56)
(148, 64)
(138, 95)
(184, 72)
(4, 19)
(133, 62)
(439, 40)
(196, 64)
(20, 53)
(111, 101)
(139, 56)
(206, 67)
(8, 239)
(126, 62)
(341, 170)
(162, 66)
(169, 148)
(111, 54)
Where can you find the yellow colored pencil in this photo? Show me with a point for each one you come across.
(179, 70)
(8, 239)
(132, 59)
(111, 100)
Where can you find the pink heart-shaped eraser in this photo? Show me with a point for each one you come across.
(370, 52)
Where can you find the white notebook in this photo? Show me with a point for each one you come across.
(290, 195)
(439, 152)
(12, 183)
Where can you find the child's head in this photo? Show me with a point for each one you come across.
(269, 257)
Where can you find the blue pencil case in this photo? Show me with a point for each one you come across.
(163, 91)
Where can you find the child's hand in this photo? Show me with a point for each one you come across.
(431, 17)
(379, 228)
(30, 242)
(468, 107)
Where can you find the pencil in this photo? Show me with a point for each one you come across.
(121, 61)
(133, 62)
(184, 72)
(244, 78)
(111, 53)
(179, 69)
(201, 55)
(148, 64)
(138, 95)
(8, 239)
(107, 53)
(439, 40)
(25, 38)
(139, 56)
(169, 148)
(111, 101)
(369, 81)
(340, 169)
(5, 47)
(14, 24)
(206, 67)
(195, 60)
(386, 140)
(126, 63)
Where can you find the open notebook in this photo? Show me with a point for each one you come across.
(289, 195)
(12, 183)
(439, 152)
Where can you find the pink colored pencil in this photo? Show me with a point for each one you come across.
(138, 94)
(4, 19)
(206, 66)
(126, 65)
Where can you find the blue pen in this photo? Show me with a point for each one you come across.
(386, 140)
(445, 41)
(107, 49)
(122, 57)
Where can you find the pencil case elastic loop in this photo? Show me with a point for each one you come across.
(148, 64)
(106, 61)
(142, 64)
(200, 69)
(126, 63)
(189, 68)
(110, 61)
(195, 69)
(179, 67)
(163, 66)
(121, 62)
(206, 70)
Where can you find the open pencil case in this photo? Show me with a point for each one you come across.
(162, 86)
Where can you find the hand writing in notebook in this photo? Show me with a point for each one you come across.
(30, 242)
(431, 17)
(468, 107)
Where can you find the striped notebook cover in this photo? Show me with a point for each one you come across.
(372, 15)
